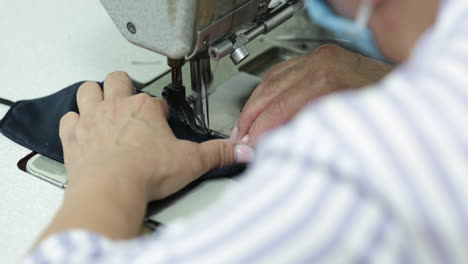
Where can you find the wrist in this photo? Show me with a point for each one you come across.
(109, 182)
(110, 205)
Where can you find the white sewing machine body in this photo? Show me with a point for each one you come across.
(184, 28)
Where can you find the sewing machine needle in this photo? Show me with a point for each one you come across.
(207, 83)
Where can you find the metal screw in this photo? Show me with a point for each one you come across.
(191, 99)
(262, 4)
(213, 54)
(131, 27)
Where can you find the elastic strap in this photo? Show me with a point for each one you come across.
(6, 102)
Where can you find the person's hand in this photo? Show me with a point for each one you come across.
(120, 153)
(289, 86)
(119, 137)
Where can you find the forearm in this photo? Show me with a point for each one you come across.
(108, 206)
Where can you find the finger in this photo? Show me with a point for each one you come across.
(220, 153)
(288, 64)
(272, 88)
(154, 112)
(67, 125)
(277, 71)
(306, 67)
(150, 108)
(280, 111)
(88, 96)
(201, 158)
(118, 84)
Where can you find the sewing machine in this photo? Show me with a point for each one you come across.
(197, 31)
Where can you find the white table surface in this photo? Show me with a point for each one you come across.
(45, 46)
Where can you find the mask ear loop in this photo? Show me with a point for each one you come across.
(364, 14)
(6, 102)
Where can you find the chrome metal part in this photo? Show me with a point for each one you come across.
(239, 54)
(201, 76)
(207, 82)
(176, 70)
(271, 19)
(228, 24)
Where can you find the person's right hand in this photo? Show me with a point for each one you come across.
(289, 86)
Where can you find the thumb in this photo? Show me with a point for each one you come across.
(224, 152)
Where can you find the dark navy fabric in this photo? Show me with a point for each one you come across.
(34, 124)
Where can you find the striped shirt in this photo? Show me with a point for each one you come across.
(374, 176)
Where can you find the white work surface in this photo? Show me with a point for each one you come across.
(45, 46)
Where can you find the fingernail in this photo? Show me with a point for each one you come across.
(246, 139)
(243, 153)
(234, 133)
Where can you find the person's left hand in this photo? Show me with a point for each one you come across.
(291, 85)
(122, 137)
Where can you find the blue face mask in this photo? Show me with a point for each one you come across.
(357, 32)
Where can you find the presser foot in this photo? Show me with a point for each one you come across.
(175, 97)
